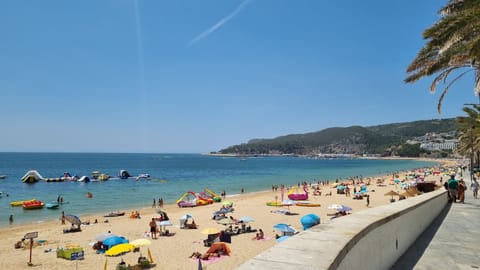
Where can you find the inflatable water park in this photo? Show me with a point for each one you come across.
(34, 176)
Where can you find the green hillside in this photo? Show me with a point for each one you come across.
(343, 140)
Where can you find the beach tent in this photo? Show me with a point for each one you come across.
(219, 247)
(114, 240)
(124, 174)
(184, 219)
(309, 221)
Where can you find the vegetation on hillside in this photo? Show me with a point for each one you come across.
(381, 139)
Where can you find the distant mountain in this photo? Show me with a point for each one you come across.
(344, 140)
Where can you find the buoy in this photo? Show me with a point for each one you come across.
(89, 195)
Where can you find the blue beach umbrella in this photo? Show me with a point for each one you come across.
(115, 240)
(284, 228)
(309, 221)
(282, 238)
(246, 219)
(340, 187)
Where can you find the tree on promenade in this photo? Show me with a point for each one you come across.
(452, 47)
(469, 132)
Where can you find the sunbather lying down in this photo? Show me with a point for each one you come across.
(205, 256)
(72, 229)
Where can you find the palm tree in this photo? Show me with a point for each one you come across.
(469, 130)
(452, 48)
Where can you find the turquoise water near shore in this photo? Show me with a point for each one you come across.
(172, 175)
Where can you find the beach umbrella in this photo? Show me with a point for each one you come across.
(284, 228)
(391, 193)
(227, 203)
(210, 231)
(119, 249)
(407, 194)
(160, 211)
(282, 238)
(115, 240)
(340, 187)
(288, 202)
(104, 236)
(345, 208)
(340, 207)
(225, 221)
(309, 221)
(186, 216)
(335, 206)
(246, 219)
(165, 223)
(140, 242)
(73, 219)
(162, 224)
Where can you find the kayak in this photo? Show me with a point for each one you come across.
(306, 204)
(52, 205)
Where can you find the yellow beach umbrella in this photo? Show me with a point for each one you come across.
(210, 231)
(140, 242)
(119, 249)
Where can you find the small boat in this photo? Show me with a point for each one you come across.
(52, 205)
(34, 204)
(3, 176)
(114, 214)
(20, 203)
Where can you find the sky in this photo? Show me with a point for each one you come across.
(155, 76)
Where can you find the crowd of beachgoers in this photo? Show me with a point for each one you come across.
(221, 234)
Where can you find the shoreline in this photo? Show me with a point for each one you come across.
(172, 252)
(439, 162)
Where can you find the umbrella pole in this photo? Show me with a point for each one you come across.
(31, 245)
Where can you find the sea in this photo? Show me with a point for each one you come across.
(171, 176)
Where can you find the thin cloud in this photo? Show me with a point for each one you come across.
(220, 23)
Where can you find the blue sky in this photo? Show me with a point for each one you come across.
(197, 76)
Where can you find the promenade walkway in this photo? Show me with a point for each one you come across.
(451, 242)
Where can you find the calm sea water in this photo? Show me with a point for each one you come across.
(172, 175)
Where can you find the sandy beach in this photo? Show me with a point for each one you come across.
(172, 252)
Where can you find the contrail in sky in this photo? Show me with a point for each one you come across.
(220, 23)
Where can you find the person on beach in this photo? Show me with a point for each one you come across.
(63, 218)
(160, 202)
(10, 219)
(153, 228)
(154, 205)
(259, 236)
(368, 200)
(474, 187)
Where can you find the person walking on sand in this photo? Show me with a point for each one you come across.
(10, 219)
(154, 205)
(63, 218)
(474, 187)
(368, 200)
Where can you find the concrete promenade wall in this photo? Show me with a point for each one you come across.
(370, 239)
